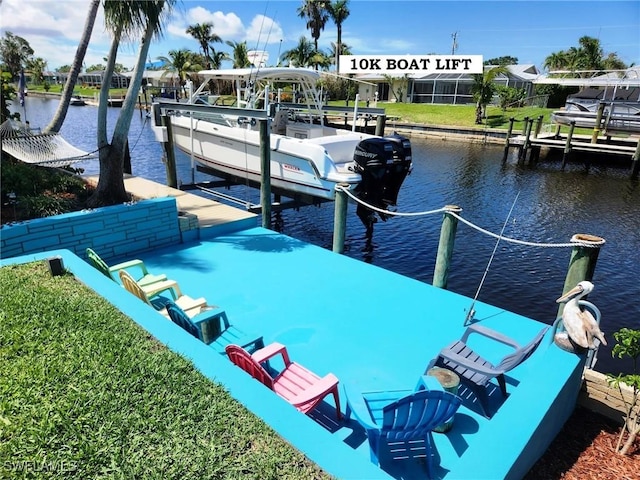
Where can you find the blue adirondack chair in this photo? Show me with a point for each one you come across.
(474, 371)
(402, 416)
(213, 328)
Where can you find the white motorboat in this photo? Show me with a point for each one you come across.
(308, 158)
(621, 109)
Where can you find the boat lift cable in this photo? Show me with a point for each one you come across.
(472, 311)
(453, 213)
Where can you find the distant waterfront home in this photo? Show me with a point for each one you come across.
(443, 88)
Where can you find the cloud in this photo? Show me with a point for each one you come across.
(264, 30)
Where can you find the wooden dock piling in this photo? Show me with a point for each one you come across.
(582, 264)
(567, 145)
(340, 218)
(265, 172)
(381, 121)
(170, 163)
(445, 247)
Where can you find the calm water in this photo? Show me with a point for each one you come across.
(552, 205)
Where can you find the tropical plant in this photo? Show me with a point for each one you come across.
(302, 54)
(397, 86)
(483, 89)
(202, 32)
(338, 11)
(589, 55)
(15, 51)
(125, 19)
(240, 56)
(217, 57)
(316, 14)
(67, 92)
(628, 345)
(510, 97)
(37, 66)
(181, 63)
(8, 93)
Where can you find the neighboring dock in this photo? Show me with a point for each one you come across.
(531, 142)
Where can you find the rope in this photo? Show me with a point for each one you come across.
(452, 211)
(47, 149)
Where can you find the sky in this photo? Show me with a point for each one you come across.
(526, 29)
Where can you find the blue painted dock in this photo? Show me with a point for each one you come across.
(374, 329)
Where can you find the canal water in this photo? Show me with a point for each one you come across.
(550, 206)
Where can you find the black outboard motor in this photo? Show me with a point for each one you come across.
(384, 163)
(372, 156)
(398, 170)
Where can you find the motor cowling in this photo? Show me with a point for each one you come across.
(398, 169)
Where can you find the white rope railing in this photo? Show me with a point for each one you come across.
(454, 212)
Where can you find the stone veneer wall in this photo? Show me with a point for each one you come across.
(113, 231)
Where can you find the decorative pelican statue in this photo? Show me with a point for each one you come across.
(579, 324)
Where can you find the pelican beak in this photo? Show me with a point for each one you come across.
(570, 294)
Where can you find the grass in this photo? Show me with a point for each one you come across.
(86, 393)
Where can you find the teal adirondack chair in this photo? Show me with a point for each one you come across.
(143, 278)
(213, 328)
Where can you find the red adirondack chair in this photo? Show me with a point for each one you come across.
(300, 387)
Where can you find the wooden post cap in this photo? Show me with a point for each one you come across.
(447, 378)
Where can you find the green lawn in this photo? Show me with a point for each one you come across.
(86, 393)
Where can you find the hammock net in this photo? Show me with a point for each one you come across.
(46, 149)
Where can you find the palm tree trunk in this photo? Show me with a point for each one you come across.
(110, 189)
(76, 67)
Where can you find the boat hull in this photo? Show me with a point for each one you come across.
(298, 166)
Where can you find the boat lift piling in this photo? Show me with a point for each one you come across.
(340, 218)
(265, 172)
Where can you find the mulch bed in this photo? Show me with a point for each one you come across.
(585, 450)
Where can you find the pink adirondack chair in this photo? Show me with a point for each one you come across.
(300, 387)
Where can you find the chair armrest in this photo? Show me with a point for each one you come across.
(318, 390)
(428, 382)
(357, 406)
(470, 365)
(129, 264)
(270, 351)
(487, 332)
(207, 314)
(166, 285)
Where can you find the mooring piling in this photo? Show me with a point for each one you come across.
(381, 121)
(340, 217)
(265, 172)
(445, 246)
(507, 141)
(567, 145)
(582, 263)
(635, 161)
(598, 124)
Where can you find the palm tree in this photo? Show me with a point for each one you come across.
(334, 53)
(37, 66)
(181, 63)
(240, 57)
(315, 12)
(203, 34)
(65, 98)
(301, 54)
(126, 18)
(483, 89)
(338, 11)
(217, 58)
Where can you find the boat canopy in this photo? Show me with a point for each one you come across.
(275, 74)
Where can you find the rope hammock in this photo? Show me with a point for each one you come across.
(46, 149)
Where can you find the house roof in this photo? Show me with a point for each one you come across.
(527, 72)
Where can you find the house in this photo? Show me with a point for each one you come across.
(443, 88)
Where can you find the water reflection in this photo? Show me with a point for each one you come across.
(552, 206)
